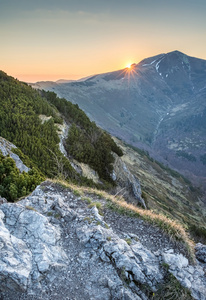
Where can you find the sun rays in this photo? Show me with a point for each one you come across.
(130, 72)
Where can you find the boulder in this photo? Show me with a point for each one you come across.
(201, 252)
(15, 259)
(129, 183)
(30, 244)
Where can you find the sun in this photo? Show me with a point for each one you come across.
(129, 66)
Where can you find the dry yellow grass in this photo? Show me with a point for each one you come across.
(174, 229)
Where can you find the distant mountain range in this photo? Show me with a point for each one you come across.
(158, 104)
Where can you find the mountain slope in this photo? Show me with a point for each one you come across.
(35, 123)
(32, 121)
(166, 191)
(20, 108)
(158, 104)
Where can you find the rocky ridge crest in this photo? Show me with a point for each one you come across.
(56, 246)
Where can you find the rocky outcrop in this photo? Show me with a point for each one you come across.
(85, 170)
(30, 246)
(56, 246)
(63, 132)
(127, 181)
(2, 200)
(201, 252)
(189, 276)
(6, 149)
(128, 259)
(15, 260)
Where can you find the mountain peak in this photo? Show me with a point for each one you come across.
(176, 52)
(171, 55)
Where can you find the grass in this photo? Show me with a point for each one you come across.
(57, 216)
(92, 204)
(106, 226)
(77, 192)
(88, 219)
(198, 233)
(87, 199)
(49, 214)
(129, 241)
(174, 229)
(30, 208)
(165, 266)
(169, 289)
(172, 290)
(97, 204)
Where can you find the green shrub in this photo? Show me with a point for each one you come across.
(129, 241)
(13, 183)
(198, 233)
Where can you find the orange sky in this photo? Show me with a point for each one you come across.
(51, 40)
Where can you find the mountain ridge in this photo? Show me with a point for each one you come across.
(157, 104)
(101, 254)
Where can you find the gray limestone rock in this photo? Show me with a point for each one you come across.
(201, 252)
(15, 259)
(2, 200)
(139, 262)
(175, 261)
(6, 149)
(127, 181)
(191, 277)
(32, 241)
(53, 246)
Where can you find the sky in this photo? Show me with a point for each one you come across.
(71, 39)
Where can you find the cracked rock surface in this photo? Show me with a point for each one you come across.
(53, 245)
(6, 149)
